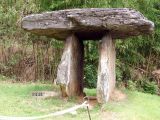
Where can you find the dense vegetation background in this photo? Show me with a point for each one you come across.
(27, 57)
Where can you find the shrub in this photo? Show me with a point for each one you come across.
(144, 85)
(149, 87)
(132, 85)
(90, 73)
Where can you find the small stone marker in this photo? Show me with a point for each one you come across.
(44, 94)
(75, 25)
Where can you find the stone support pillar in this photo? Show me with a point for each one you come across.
(70, 69)
(106, 69)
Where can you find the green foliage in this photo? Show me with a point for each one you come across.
(132, 85)
(56, 44)
(14, 59)
(119, 70)
(3, 78)
(91, 64)
(65, 4)
(149, 87)
(144, 85)
(90, 76)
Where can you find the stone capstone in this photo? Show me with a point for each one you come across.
(89, 24)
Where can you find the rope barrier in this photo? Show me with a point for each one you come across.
(87, 98)
(72, 109)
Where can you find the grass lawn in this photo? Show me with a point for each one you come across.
(16, 100)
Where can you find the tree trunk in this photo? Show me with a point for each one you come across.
(70, 70)
(106, 69)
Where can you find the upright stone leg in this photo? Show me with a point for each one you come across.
(106, 69)
(70, 69)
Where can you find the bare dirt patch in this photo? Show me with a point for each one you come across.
(118, 96)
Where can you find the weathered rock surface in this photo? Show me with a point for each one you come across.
(70, 69)
(106, 69)
(91, 23)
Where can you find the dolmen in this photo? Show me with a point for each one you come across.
(73, 26)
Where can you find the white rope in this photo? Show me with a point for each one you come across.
(72, 109)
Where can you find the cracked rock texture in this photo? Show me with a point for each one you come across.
(89, 24)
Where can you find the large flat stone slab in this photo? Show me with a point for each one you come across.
(90, 23)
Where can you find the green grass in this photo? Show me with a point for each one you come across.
(138, 106)
(16, 100)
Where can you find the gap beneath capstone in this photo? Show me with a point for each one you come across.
(91, 34)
